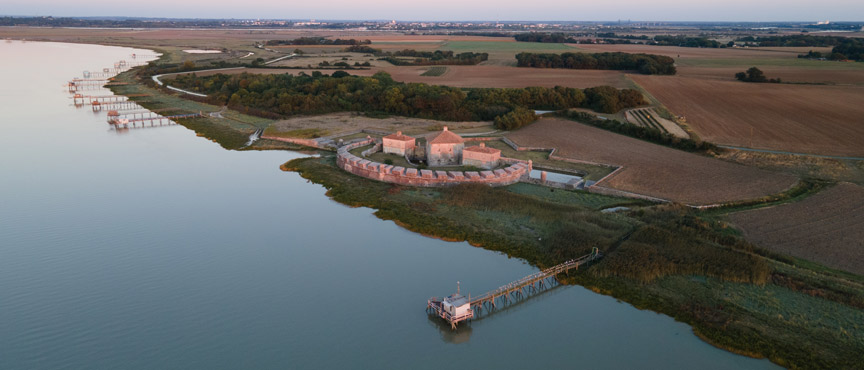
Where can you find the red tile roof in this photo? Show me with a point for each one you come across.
(447, 137)
(399, 137)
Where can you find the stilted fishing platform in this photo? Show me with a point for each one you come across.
(456, 308)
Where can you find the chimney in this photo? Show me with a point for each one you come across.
(445, 128)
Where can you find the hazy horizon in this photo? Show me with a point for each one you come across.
(451, 10)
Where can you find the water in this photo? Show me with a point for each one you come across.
(555, 176)
(155, 248)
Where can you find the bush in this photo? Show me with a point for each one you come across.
(515, 119)
(643, 63)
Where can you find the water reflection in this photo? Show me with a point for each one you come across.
(462, 334)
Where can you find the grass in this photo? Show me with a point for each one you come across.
(435, 71)
(303, 133)
(231, 132)
(571, 197)
(493, 46)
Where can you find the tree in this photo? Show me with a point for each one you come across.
(756, 75)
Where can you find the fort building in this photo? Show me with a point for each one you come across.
(445, 149)
(399, 144)
(481, 156)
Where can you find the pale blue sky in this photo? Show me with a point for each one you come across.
(532, 10)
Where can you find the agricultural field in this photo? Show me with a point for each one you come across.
(794, 75)
(827, 227)
(796, 118)
(647, 117)
(651, 169)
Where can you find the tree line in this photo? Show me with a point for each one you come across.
(792, 40)
(421, 58)
(317, 41)
(437, 57)
(285, 95)
(687, 42)
(649, 64)
(847, 49)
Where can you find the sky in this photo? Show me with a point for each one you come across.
(444, 10)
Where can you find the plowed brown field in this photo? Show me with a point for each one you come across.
(651, 169)
(827, 227)
(787, 74)
(796, 118)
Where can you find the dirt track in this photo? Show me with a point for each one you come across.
(652, 169)
(827, 227)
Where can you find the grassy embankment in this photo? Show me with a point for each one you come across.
(665, 258)
(231, 131)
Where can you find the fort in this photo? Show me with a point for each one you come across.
(516, 169)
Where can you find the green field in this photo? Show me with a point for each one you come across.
(435, 71)
(497, 46)
(774, 62)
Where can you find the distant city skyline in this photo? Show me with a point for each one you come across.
(453, 10)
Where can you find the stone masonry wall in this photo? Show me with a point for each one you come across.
(428, 178)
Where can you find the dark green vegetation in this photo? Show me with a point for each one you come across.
(852, 49)
(639, 132)
(551, 37)
(515, 119)
(362, 49)
(755, 75)
(687, 42)
(437, 57)
(317, 41)
(279, 95)
(435, 71)
(666, 258)
(648, 64)
(792, 40)
(845, 48)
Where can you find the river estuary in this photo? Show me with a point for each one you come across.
(157, 249)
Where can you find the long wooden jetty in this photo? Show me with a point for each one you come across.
(515, 290)
(116, 120)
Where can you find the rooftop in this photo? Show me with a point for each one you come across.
(482, 148)
(399, 137)
(447, 137)
(456, 300)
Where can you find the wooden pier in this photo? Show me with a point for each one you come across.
(81, 99)
(115, 119)
(516, 290)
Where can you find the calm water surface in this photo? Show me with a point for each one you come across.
(157, 249)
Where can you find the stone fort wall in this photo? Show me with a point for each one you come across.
(428, 178)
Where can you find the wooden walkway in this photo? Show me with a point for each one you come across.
(516, 290)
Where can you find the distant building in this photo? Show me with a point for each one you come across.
(445, 149)
(399, 144)
(481, 156)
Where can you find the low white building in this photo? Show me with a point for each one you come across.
(456, 306)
